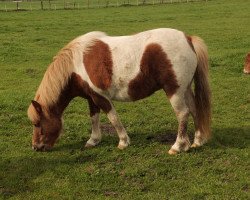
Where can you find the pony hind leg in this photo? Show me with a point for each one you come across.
(96, 136)
(199, 140)
(181, 109)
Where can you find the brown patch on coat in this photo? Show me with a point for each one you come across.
(247, 64)
(189, 40)
(155, 73)
(98, 64)
(78, 87)
(96, 101)
(93, 108)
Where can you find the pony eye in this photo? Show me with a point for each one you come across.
(37, 125)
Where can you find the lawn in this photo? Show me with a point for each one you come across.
(218, 170)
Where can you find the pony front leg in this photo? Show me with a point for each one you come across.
(96, 135)
(122, 134)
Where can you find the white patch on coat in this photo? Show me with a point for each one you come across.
(122, 134)
(96, 136)
(199, 139)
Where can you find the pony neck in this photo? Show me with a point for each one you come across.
(59, 107)
(74, 88)
(63, 100)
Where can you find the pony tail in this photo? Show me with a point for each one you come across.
(202, 88)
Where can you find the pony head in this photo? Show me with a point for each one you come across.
(47, 127)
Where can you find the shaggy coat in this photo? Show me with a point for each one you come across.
(101, 68)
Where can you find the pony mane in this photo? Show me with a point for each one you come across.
(59, 72)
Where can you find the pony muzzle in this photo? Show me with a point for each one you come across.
(41, 147)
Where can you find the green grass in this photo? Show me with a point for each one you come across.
(219, 170)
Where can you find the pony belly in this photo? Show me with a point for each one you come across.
(120, 95)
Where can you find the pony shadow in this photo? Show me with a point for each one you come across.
(221, 138)
(233, 137)
(108, 132)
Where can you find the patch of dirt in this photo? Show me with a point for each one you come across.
(245, 188)
(31, 72)
(108, 129)
(110, 194)
(164, 138)
(167, 138)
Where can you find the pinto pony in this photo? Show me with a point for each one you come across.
(101, 68)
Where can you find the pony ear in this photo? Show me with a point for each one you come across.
(37, 106)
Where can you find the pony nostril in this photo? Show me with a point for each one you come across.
(46, 148)
(43, 148)
(39, 147)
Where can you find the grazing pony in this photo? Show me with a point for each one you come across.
(102, 68)
(247, 64)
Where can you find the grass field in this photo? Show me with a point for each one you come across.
(219, 170)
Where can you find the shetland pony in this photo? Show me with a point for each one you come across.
(101, 68)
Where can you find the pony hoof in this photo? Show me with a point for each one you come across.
(172, 152)
(194, 145)
(88, 146)
(124, 143)
(92, 143)
(121, 147)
